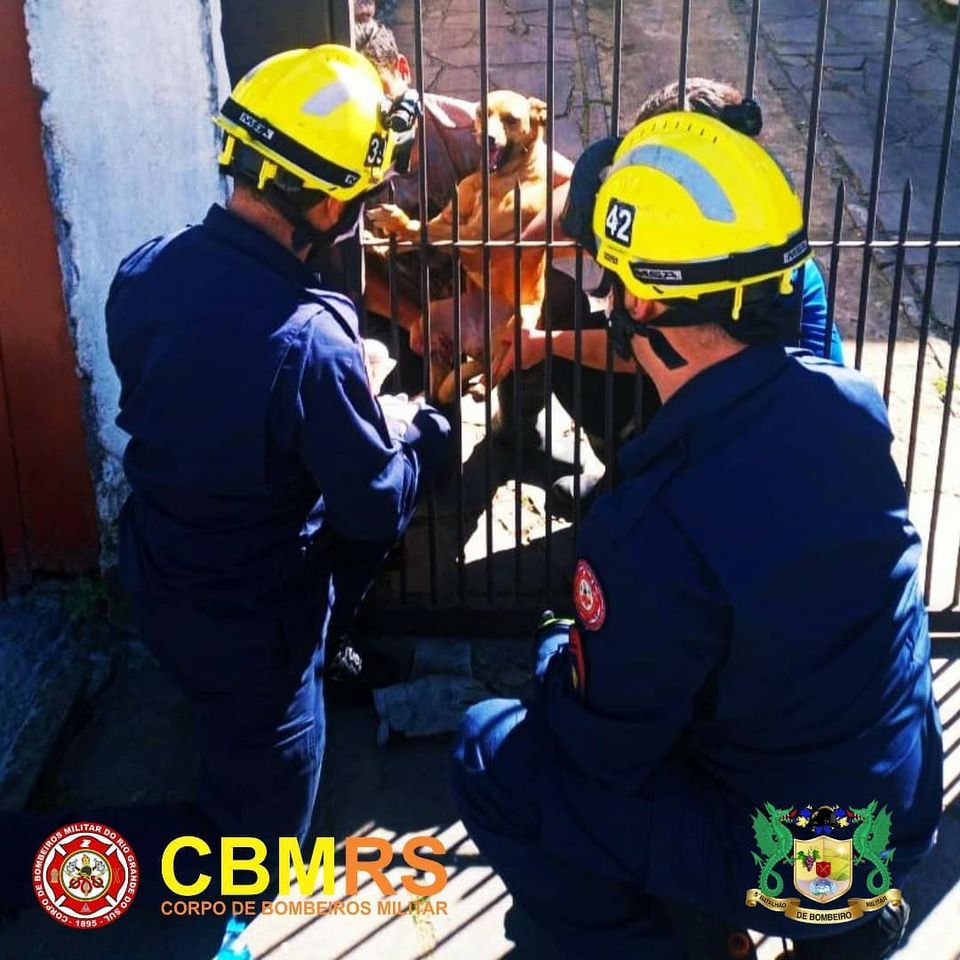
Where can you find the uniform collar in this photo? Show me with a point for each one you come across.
(232, 230)
(706, 394)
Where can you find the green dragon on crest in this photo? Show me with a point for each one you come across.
(776, 846)
(870, 840)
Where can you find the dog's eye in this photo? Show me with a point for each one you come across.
(510, 121)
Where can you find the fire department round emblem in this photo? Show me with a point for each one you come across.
(85, 875)
(588, 597)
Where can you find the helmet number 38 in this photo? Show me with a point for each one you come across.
(619, 222)
(376, 151)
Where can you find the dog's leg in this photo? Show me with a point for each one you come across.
(448, 388)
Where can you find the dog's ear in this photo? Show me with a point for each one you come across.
(538, 111)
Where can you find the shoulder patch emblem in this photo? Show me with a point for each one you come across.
(588, 597)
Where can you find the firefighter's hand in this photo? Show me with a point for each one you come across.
(378, 362)
(400, 407)
(533, 349)
(390, 221)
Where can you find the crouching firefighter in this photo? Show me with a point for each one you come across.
(750, 644)
(256, 441)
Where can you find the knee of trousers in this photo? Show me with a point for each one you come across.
(481, 732)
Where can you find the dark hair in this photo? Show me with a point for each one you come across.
(702, 96)
(377, 43)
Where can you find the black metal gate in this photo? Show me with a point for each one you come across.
(488, 552)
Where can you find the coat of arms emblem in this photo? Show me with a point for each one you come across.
(824, 845)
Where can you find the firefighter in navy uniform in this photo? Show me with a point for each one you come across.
(256, 440)
(749, 622)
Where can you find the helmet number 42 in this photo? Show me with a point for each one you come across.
(619, 222)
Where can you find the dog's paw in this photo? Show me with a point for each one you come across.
(389, 220)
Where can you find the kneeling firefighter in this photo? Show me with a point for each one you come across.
(750, 634)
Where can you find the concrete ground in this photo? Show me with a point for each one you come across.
(132, 744)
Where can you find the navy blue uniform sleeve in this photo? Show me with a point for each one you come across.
(652, 626)
(813, 319)
(368, 477)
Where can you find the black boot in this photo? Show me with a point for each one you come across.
(351, 673)
(876, 939)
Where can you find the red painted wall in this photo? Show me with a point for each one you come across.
(47, 515)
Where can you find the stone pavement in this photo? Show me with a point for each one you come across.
(850, 100)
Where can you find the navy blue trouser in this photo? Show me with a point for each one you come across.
(499, 780)
(256, 683)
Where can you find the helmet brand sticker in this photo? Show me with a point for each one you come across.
(619, 223)
(795, 251)
(652, 273)
(588, 597)
(263, 130)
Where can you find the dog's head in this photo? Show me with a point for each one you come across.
(514, 124)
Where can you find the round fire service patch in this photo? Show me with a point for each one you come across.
(588, 597)
(85, 875)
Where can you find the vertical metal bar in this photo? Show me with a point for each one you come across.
(752, 52)
(617, 66)
(577, 385)
(517, 370)
(394, 319)
(458, 393)
(395, 375)
(942, 453)
(684, 45)
(487, 318)
(933, 251)
(425, 276)
(897, 283)
(394, 302)
(815, 110)
(875, 181)
(834, 267)
(548, 300)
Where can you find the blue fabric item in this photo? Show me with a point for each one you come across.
(813, 316)
(763, 638)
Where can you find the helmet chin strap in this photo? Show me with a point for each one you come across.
(305, 234)
(758, 323)
(623, 328)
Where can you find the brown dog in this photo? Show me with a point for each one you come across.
(516, 154)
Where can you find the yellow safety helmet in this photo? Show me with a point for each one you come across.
(691, 207)
(318, 116)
